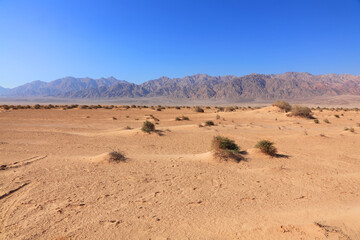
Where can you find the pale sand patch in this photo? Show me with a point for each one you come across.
(55, 183)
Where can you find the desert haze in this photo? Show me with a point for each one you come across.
(120, 172)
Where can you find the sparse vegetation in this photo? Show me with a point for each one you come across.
(229, 109)
(148, 127)
(337, 116)
(349, 129)
(198, 109)
(301, 111)
(182, 118)
(155, 118)
(326, 120)
(225, 148)
(316, 121)
(116, 157)
(284, 106)
(209, 123)
(267, 147)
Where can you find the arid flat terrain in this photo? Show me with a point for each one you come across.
(56, 182)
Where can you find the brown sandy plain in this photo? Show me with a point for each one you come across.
(56, 183)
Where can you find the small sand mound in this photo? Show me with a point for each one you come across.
(109, 157)
(271, 109)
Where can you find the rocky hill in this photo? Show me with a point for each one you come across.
(291, 85)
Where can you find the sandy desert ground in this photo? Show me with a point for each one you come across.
(56, 183)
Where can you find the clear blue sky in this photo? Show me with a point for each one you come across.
(142, 40)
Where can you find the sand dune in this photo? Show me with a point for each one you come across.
(55, 183)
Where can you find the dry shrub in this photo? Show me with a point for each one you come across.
(225, 149)
(229, 109)
(301, 111)
(198, 109)
(148, 127)
(116, 157)
(182, 118)
(209, 123)
(284, 106)
(267, 147)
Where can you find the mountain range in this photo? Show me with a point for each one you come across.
(290, 85)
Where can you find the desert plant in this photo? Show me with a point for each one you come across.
(337, 116)
(229, 109)
(301, 111)
(225, 148)
(198, 109)
(181, 118)
(37, 106)
(349, 129)
(267, 147)
(148, 127)
(316, 121)
(284, 106)
(326, 120)
(155, 118)
(209, 123)
(116, 157)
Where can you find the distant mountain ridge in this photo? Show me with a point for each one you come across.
(290, 85)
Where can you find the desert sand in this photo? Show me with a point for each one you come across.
(56, 182)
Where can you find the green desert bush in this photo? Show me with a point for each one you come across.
(316, 121)
(284, 106)
(337, 116)
(225, 148)
(267, 147)
(326, 120)
(301, 111)
(148, 127)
